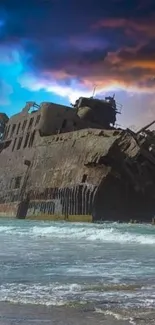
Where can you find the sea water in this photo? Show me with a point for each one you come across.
(108, 265)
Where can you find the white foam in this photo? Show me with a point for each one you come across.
(108, 233)
(115, 315)
(5, 229)
(57, 294)
(52, 294)
(94, 234)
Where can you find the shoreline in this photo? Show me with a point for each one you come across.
(27, 314)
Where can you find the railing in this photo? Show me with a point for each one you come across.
(119, 107)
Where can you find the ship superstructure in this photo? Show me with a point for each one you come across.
(72, 163)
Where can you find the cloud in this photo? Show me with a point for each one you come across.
(73, 90)
(5, 90)
(140, 25)
(127, 67)
(8, 55)
(92, 59)
(66, 48)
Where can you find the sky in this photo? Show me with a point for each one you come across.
(59, 50)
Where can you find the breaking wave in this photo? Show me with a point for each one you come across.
(60, 263)
(56, 294)
(108, 233)
(104, 235)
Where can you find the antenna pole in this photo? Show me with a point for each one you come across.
(94, 90)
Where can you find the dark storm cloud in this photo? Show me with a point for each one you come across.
(35, 19)
(89, 40)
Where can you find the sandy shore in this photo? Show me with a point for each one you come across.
(14, 314)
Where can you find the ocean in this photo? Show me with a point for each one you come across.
(54, 272)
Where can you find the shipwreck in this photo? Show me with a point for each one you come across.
(73, 164)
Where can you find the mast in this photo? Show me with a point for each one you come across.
(145, 127)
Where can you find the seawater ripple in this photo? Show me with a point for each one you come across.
(57, 263)
(112, 232)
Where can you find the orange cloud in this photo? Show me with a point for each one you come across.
(127, 68)
(130, 26)
(127, 59)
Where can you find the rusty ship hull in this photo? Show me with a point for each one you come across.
(86, 174)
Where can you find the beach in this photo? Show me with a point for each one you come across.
(12, 314)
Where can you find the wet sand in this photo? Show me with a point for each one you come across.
(14, 314)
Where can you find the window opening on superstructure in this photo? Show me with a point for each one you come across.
(37, 120)
(14, 144)
(64, 124)
(24, 125)
(19, 143)
(7, 131)
(18, 128)
(17, 182)
(11, 183)
(31, 122)
(26, 140)
(32, 139)
(84, 178)
(13, 129)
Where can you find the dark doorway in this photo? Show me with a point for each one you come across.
(22, 209)
(64, 124)
(84, 178)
